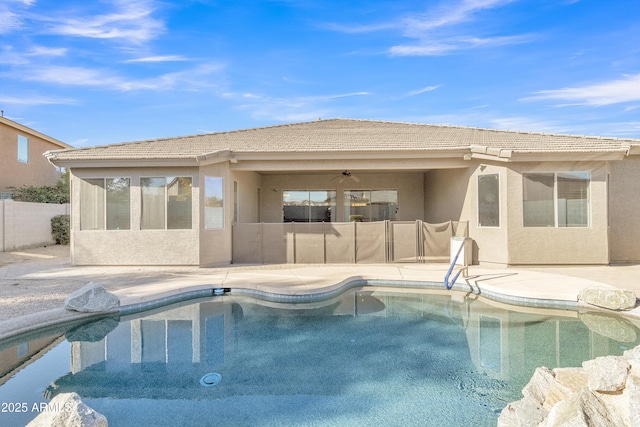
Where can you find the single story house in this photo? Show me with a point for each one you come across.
(343, 190)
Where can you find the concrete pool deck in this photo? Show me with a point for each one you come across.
(51, 270)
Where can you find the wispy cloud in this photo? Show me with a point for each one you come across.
(159, 58)
(129, 21)
(448, 14)
(12, 56)
(47, 51)
(196, 78)
(625, 89)
(449, 45)
(9, 19)
(439, 31)
(284, 109)
(356, 29)
(421, 91)
(35, 100)
(341, 95)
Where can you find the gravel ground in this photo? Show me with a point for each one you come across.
(19, 297)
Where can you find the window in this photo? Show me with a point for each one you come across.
(213, 202)
(309, 206)
(573, 199)
(489, 200)
(166, 203)
(235, 201)
(105, 204)
(538, 199)
(23, 149)
(370, 205)
(556, 199)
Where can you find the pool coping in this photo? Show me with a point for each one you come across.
(56, 318)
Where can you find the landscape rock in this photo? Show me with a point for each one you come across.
(92, 298)
(633, 393)
(632, 355)
(613, 299)
(604, 392)
(573, 379)
(523, 413)
(544, 390)
(583, 409)
(607, 374)
(66, 409)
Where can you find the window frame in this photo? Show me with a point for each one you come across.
(222, 199)
(346, 205)
(167, 181)
(23, 148)
(104, 218)
(330, 206)
(556, 210)
(497, 175)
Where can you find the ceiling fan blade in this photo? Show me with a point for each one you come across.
(355, 178)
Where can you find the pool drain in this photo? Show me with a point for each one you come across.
(210, 379)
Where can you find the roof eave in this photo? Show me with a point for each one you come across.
(582, 156)
(124, 163)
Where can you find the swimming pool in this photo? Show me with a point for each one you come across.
(370, 356)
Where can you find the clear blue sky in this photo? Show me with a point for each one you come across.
(99, 72)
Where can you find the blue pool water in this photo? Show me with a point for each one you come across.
(367, 357)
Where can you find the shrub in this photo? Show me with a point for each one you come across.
(58, 193)
(60, 229)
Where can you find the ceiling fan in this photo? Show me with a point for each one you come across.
(344, 175)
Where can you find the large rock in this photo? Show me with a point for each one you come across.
(65, 410)
(604, 392)
(613, 299)
(583, 409)
(607, 374)
(544, 390)
(633, 392)
(91, 298)
(523, 413)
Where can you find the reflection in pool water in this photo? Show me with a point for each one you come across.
(367, 357)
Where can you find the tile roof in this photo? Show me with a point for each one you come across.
(347, 135)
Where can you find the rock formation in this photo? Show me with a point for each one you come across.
(66, 409)
(603, 392)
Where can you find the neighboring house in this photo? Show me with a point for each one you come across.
(345, 190)
(22, 161)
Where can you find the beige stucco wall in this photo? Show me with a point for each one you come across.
(433, 196)
(558, 245)
(38, 171)
(249, 191)
(451, 194)
(624, 206)
(135, 246)
(445, 191)
(216, 245)
(409, 186)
